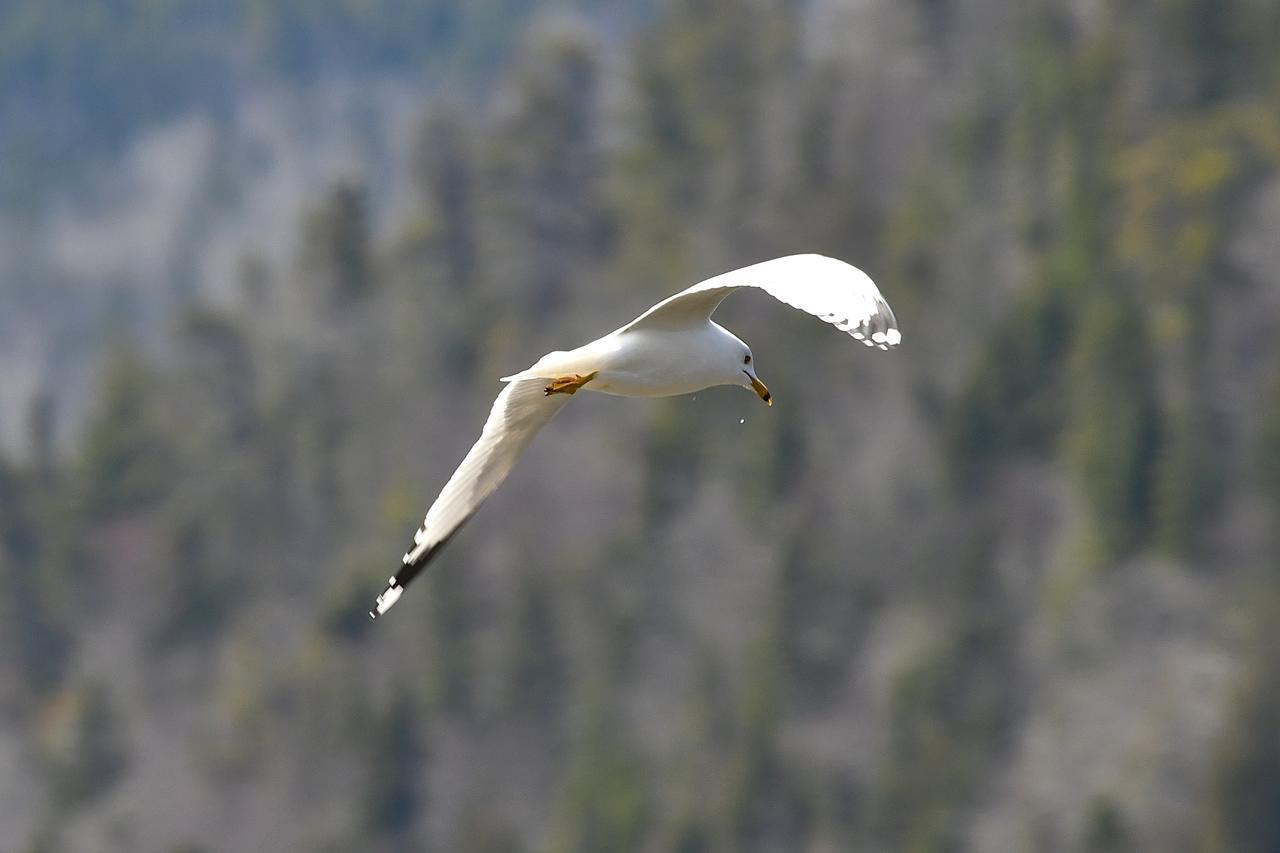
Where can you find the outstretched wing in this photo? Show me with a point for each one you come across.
(519, 412)
(830, 290)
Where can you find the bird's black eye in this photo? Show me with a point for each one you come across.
(746, 359)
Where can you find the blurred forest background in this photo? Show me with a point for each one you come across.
(1014, 586)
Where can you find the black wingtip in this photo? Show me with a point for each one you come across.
(397, 583)
(388, 599)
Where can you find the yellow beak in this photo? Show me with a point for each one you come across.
(758, 387)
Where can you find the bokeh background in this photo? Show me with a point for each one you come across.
(1010, 587)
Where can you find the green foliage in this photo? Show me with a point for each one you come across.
(241, 480)
(335, 249)
(787, 453)
(392, 800)
(30, 627)
(1104, 828)
(1180, 192)
(545, 191)
(77, 80)
(693, 838)
(1188, 481)
(41, 429)
(696, 116)
(480, 830)
(219, 379)
(1266, 449)
(197, 589)
(450, 646)
(672, 461)
(306, 437)
(444, 172)
(604, 803)
(231, 747)
(38, 645)
(1244, 777)
(345, 612)
(824, 205)
(762, 800)
(46, 840)
(81, 744)
(1012, 400)
(821, 610)
(1111, 437)
(713, 707)
(913, 239)
(205, 524)
(950, 707)
(1226, 47)
(127, 455)
(536, 672)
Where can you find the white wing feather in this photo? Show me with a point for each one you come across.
(517, 414)
(830, 290)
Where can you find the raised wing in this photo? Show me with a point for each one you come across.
(830, 290)
(519, 412)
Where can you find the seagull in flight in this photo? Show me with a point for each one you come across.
(672, 348)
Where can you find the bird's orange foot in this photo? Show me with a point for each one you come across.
(568, 384)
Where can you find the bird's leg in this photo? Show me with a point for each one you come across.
(568, 384)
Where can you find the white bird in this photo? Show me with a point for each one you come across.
(673, 348)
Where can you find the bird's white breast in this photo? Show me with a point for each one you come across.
(658, 363)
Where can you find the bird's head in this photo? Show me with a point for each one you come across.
(745, 366)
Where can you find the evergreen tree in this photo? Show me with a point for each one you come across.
(39, 646)
(950, 706)
(543, 170)
(451, 661)
(761, 809)
(1188, 481)
(335, 259)
(1266, 450)
(217, 378)
(698, 147)
(1112, 421)
(536, 673)
(445, 175)
(1011, 401)
(42, 436)
(83, 745)
(671, 461)
(127, 456)
(1244, 776)
(604, 802)
(1104, 828)
(392, 800)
